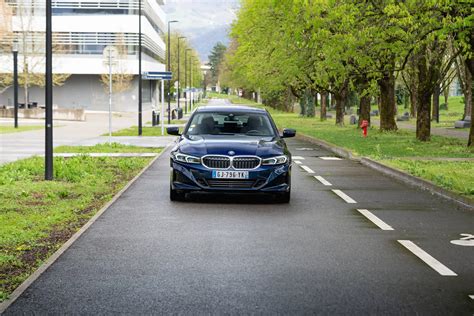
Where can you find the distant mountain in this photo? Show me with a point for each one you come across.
(204, 22)
(204, 40)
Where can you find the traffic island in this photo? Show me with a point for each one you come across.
(37, 217)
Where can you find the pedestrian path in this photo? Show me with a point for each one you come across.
(440, 131)
(22, 145)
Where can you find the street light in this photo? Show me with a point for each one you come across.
(179, 85)
(15, 80)
(169, 69)
(139, 67)
(186, 78)
(49, 95)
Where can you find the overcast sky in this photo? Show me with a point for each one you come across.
(204, 22)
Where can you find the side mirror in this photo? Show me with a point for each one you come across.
(173, 130)
(288, 132)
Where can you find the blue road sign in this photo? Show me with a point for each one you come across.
(157, 75)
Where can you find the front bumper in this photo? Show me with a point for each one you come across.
(264, 179)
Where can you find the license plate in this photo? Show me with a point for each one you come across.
(218, 174)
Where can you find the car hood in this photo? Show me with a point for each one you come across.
(240, 145)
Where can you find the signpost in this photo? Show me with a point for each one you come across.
(110, 56)
(159, 75)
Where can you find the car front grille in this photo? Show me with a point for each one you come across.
(245, 162)
(225, 162)
(232, 184)
(216, 162)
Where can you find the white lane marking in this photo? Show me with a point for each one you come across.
(298, 157)
(344, 196)
(330, 158)
(472, 297)
(427, 258)
(307, 169)
(297, 162)
(322, 180)
(374, 219)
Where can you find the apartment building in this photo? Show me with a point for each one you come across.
(81, 31)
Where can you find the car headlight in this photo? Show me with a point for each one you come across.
(185, 158)
(278, 160)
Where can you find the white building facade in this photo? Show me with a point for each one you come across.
(81, 31)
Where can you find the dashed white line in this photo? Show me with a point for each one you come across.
(330, 158)
(344, 196)
(322, 180)
(298, 157)
(307, 169)
(427, 258)
(374, 219)
(472, 297)
(297, 162)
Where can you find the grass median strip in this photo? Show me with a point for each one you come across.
(38, 216)
(10, 129)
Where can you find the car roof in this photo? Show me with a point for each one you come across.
(231, 108)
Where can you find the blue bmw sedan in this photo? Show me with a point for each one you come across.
(230, 149)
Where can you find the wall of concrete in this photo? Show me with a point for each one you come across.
(58, 114)
(87, 92)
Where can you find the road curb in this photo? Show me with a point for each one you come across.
(32, 278)
(394, 173)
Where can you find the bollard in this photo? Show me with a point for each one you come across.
(364, 125)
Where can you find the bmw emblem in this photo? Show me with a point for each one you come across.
(231, 153)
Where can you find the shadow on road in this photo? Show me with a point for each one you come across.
(227, 198)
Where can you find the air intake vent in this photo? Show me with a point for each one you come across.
(216, 162)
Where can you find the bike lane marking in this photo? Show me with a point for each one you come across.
(344, 196)
(374, 219)
(427, 258)
(323, 181)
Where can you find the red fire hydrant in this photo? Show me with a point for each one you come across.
(364, 125)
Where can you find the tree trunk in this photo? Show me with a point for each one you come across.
(310, 110)
(303, 105)
(339, 109)
(333, 101)
(364, 109)
(341, 101)
(423, 122)
(435, 112)
(470, 67)
(446, 97)
(468, 95)
(387, 102)
(324, 104)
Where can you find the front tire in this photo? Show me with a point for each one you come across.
(283, 198)
(177, 196)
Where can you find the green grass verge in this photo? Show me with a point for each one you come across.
(106, 148)
(395, 149)
(133, 131)
(37, 216)
(455, 176)
(10, 129)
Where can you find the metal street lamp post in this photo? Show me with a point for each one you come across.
(139, 67)
(15, 81)
(169, 69)
(49, 95)
(179, 84)
(191, 82)
(186, 78)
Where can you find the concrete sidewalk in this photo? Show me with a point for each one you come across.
(21, 145)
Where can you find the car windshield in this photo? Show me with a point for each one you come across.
(230, 123)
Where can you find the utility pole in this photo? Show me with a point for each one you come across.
(179, 83)
(49, 96)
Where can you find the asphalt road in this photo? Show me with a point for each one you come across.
(236, 255)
